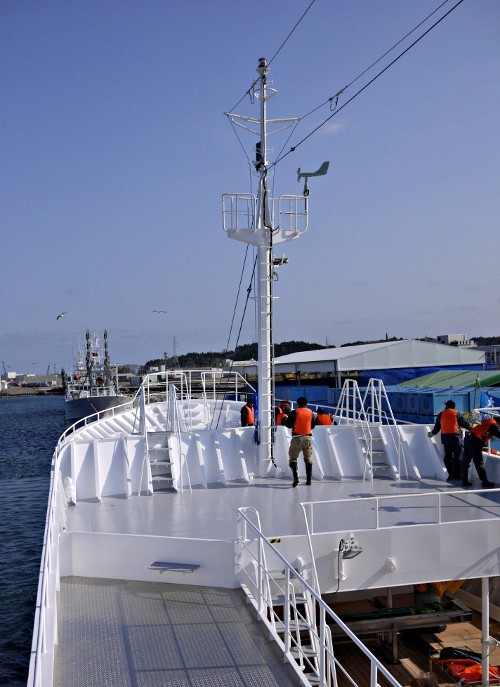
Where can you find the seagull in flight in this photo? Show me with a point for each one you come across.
(160, 311)
(62, 314)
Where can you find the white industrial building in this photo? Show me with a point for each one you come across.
(392, 361)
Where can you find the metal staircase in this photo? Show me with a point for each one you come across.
(159, 455)
(286, 597)
(302, 638)
(368, 414)
(378, 462)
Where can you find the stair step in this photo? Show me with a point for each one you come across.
(294, 625)
(305, 651)
(162, 478)
(160, 462)
(280, 600)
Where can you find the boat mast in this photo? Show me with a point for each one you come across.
(108, 379)
(265, 222)
(264, 295)
(89, 361)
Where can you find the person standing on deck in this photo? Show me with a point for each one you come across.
(323, 418)
(301, 422)
(247, 414)
(281, 413)
(448, 422)
(473, 449)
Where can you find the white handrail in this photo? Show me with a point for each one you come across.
(373, 403)
(373, 505)
(252, 546)
(42, 650)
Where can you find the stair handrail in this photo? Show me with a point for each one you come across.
(347, 407)
(177, 432)
(380, 409)
(350, 408)
(325, 669)
(315, 578)
(242, 532)
(143, 431)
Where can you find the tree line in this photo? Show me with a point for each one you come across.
(249, 352)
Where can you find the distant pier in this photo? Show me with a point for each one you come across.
(31, 391)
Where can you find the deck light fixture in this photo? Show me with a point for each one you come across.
(350, 548)
(277, 262)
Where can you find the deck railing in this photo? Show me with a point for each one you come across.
(268, 579)
(211, 385)
(41, 664)
(367, 511)
(206, 384)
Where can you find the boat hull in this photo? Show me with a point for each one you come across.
(78, 408)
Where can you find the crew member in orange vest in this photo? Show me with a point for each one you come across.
(281, 413)
(301, 422)
(247, 414)
(473, 449)
(323, 418)
(448, 422)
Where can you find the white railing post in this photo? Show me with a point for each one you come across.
(286, 611)
(322, 645)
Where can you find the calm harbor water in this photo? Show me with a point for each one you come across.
(29, 429)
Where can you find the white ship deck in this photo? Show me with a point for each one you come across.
(127, 562)
(210, 513)
(182, 634)
(114, 633)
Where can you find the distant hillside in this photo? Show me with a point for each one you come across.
(249, 352)
(218, 359)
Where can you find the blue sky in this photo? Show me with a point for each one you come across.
(115, 153)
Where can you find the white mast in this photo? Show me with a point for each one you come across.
(264, 296)
(252, 220)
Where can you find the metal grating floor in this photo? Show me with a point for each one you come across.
(161, 635)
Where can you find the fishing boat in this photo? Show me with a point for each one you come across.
(178, 552)
(93, 385)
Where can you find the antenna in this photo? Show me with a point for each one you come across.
(305, 175)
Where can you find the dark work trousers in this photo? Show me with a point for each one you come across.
(453, 448)
(473, 450)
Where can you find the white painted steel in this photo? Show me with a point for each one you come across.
(266, 577)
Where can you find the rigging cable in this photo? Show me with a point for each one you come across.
(336, 96)
(249, 291)
(292, 150)
(289, 35)
(249, 91)
(239, 139)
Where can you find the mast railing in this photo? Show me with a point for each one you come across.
(288, 215)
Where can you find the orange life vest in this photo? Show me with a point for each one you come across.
(467, 670)
(482, 430)
(449, 422)
(250, 415)
(279, 415)
(324, 419)
(303, 421)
